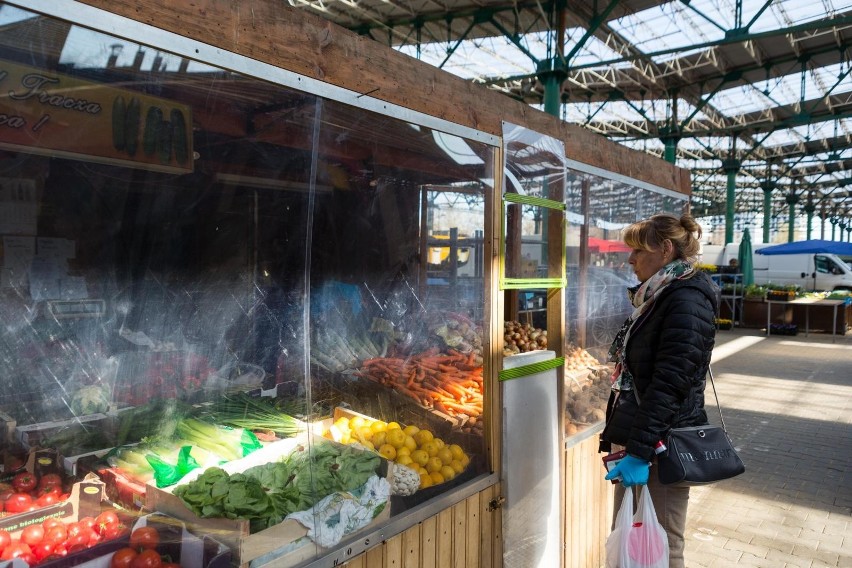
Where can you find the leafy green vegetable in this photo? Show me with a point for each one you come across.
(267, 493)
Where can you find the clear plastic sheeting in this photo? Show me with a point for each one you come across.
(207, 265)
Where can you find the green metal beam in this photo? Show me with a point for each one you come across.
(594, 23)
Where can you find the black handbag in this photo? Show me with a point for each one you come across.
(698, 455)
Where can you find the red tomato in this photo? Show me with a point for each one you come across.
(105, 521)
(15, 550)
(144, 537)
(5, 494)
(79, 538)
(5, 539)
(42, 550)
(49, 498)
(50, 481)
(18, 503)
(51, 522)
(114, 532)
(32, 534)
(147, 559)
(123, 558)
(24, 482)
(60, 550)
(94, 538)
(88, 522)
(76, 548)
(55, 534)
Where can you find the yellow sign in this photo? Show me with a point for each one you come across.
(57, 115)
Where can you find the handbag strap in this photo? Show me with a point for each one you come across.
(715, 394)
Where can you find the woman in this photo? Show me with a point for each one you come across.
(662, 354)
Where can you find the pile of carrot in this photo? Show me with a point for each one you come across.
(447, 382)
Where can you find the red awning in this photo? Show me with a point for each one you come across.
(605, 246)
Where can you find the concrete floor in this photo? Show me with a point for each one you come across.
(787, 403)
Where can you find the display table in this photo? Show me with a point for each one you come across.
(807, 303)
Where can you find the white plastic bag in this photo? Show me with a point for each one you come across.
(637, 541)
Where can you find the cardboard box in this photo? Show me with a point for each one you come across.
(121, 489)
(235, 534)
(180, 545)
(85, 501)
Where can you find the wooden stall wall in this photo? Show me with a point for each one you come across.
(465, 535)
(588, 506)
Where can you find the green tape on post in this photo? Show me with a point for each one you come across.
(531, 369)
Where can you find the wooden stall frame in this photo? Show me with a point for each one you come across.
(299, 50)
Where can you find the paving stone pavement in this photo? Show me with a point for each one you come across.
(787, 403)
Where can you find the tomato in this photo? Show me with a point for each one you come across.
(79, 538)
(49, 498)
(76, 548)
(5, 539)
(105, 521)
(88, 522)
(24, 482)
(32, 534)
(144, 537)
(5, 494)
(60, 550)
(114, 532)
(55, 535)
(42, 550)
(51, 522)
(94, 538)
(50, 481)
(15, 550)
(123, 558)
(147, 559)
(18, 503)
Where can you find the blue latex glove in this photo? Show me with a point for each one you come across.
(631, 470)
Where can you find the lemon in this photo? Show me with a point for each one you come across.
(365, 433)
(378, 426)
(387, 451)
(457, 466)
(430, 448)
(425, 481)
(465, 460)
(368, 444)
(380, 439)
(439, 442)
(410, 443)
(403, 451)
(394, 425)
(436, 477)
(445, 455)
(342, 422)
(356, 422)
(434, 464)
(458, 452)
(395, 437)
(403, 460)
(448, 472)
(411, 429)
(423, 436)
(420, 457)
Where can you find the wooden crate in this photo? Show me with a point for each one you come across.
(235, 534)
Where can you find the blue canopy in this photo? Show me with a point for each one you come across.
(814, 246)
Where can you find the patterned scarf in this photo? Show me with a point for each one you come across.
(642, 297)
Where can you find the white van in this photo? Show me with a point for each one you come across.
(821, 271)
(808, 271)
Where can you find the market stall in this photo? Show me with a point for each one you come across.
(267, 309)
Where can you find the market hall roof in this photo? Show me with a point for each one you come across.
(773, 75)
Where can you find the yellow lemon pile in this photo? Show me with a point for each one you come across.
(435, 461)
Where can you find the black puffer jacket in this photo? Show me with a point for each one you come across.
(668, 356)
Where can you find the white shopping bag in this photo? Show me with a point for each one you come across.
(638, 540)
